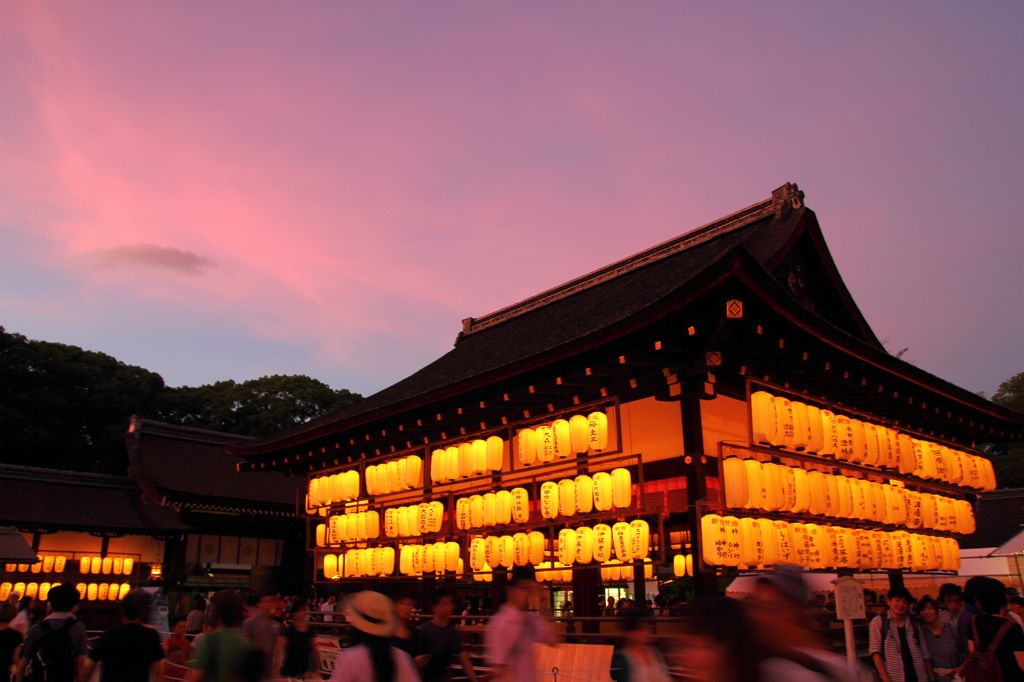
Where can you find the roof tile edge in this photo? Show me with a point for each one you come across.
(783, 200)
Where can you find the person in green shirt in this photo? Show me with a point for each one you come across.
(220, 653)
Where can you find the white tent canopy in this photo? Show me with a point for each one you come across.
(817, 583)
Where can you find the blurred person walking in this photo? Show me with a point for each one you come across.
(639, 660)
(794, 651)
(131, 651)
(513, 630)
(720, 643)
(444, 643)
(406, 637)
(372, 658)
(262, 632)
(938, 637)
(295, 645)
(55, 648)
(196, 618)
(220, 653)
(896, 643)
(10, 641)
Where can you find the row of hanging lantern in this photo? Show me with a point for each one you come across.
(48, 564)
(346, 528)
(465, 460)
(31, 590)
(106, 565)
(563, 438)
(496, 508)
(359, 563)
(617, 570)
(413, 520)
(682, 565)
(100, 591)
(752, 542)
(437, 557)
(334, 488)
(794, 425)
(767, 486)
(583, 494)
(554, 572)
(404, 473)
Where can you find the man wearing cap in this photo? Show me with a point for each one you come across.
(62, 599)
(778, 608)
(513, 630)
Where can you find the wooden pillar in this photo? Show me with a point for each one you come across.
(499, 580)
(586, 586)
(705, 581)
(639, 585)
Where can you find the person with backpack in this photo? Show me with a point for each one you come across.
(55, 647)
(223, 655)
(996, 642)
(131, 651)
(896, 643)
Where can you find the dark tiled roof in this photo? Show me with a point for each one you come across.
(1000, 515)
(188, 467)
(71, 500)
(14, 549)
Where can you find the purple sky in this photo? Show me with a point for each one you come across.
(227, 190)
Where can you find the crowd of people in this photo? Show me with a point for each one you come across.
(971, 634)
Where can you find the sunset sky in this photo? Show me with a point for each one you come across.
(224, 190)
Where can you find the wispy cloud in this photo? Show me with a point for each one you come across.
(151, 256)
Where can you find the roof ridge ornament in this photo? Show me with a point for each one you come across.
(787, 199)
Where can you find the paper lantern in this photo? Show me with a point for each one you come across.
(584, 494)
(330, 566)
(762, 412)
(965, 524)
(912, 502)
(19, 587)
(549, 499)
(462, 514)
(416, 555)
(906, 460)
(58, 565)
(567, 497)
(734, 475)
(954, 466)
(768, 541)
(801, 428)
(83, 590)
(815, 434)
(817, 492)
(844, 492)
(507, 551)
(118, 566)
(5, 591)
(84, 564)
(622, 488)
(602, 543)
(476, 511)
(567, 575)
(451, 556)
(413, 473)
(44, 590)
(639, 538)
(405, 522)
(621, 541)
(584, 545)
(129, 564)
(485, 575)
(755, 484)
(721, 542)
(786, 421)
(373, 523)
(988, 480)
(873, 456)
(490, 510)
(845, 445)
(479, 456)
(96, 565)
(831, 495)
(774, 488)
(32, 590)
(371, 478)
(860, 442)
(679, 566)
(465, 460)
(352, 526)
(801, 490)
(578, 435)
(321, 535)
(889, 455)
(603, 491)
(437, 467)
(503, 507)
(495, 453)
(566, 546)
(391, 522)
(37, 567)
(313, 492)
(545, 443)
(122, 591)
(859, 492)
(829, 433)
(360, 524)
(563, 438)
(102, 592)
(751, 545)
(451, 458)
(47, 564)
(520, 505)
(337, 486)
(597, 431)
(536, 547)
(351, 483)
(521, 549)
(526, 442)
(493, 551)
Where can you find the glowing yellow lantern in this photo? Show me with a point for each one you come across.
(521, 549)
(906, 459)
(476, 511)
(495, 453)
(912, 501)
(5, 591)
(83, 564)
(815, 434)
(321, 535)
(490, 511)
(465, 460)
(391, 522)
(786, 423)
(584, 545)
(102, 592)
(603, 488)
(404, 525)
(954, 466)
(621, 541)
(479, 456)
(520, 505)
(872, 451)
(639, 539)
(584, 494)
(83, 590)
(622, 488)
(351, 482)
(602, 543)
(549, 499)
(988, 478)
(679, 566)
(536, 547)
(438, 468)
(567, 497)
(563, 438)
(32, 590)
(492, 554)
(44, 590)
(762, 412)
(545, 443)
(734, 474)
(506, 551)
(829, 433)
(58, 565)
(118, 565)
(597, 431)
(774, 487)
(429, 557)
(37, 567)
(413, 473)
(371, 478)
(503, 507)
(844, 497)
(566, 546)
(462, 514)
(965, 524)
(129, 564)
(817, 493)
(578, 435)
(451, 459)
(96, 566)
(330, 566)
(313, 492)
(485, 574)
(526, 442)
(751, 547)
(337, 486)
(451, 556)
(801, 428)
(845, 446)
(373, 523)
(755, 484)
(19, 587)
(47, 564)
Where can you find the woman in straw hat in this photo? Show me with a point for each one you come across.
(372, 659)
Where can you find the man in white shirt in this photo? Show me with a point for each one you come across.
(512, 631)
(328, 607)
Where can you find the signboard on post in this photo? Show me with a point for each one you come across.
(849, 607)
